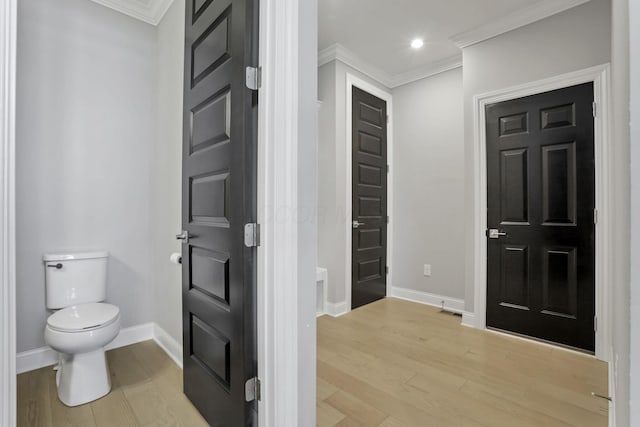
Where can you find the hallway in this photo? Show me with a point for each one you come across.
(397, 363)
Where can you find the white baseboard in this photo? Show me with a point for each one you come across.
(450, 304)
(132, 335)
(166, 342)
(468, 319)
(46, 356)
(336, 309)
(35, 359)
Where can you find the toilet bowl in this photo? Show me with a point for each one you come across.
(79, 334)
(82, 324)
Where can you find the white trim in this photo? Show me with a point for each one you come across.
(453, 305)
(599, 75)
(430, 70)
(514, 20)
(286, 329)
(132, 335)
(151, 11)
(387, 97)
(337, 52)
(337, 309)
(8, 34)
(322, 280)
(468, 319)
(166, 342)
(46, 356)
(35, 359)
(342, 54)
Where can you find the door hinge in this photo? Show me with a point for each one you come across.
(595, 323)
(252, 389)
(595, 109)
(387, 119)
(386, 270)
(387, 168)
(595, 216)
(252, 235)
(254, 78)
(387, 219)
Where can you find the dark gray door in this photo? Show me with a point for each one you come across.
(219, 198)
(541, 195)
(369, 192)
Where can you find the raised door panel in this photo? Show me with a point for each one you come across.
(369, 192)
(541, 198)
(219, 196)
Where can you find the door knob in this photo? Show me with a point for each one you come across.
(184, 236)
(494, 233)
(356, 224)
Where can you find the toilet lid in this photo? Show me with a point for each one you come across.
(83, 316)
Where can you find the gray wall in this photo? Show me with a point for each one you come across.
(625, 62)
(428, 188)
(166, 170)
(332, 209)
(330, 222)
(85, 128)
(575, 39)
(307, 206)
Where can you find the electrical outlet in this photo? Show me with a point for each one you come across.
(427, 270)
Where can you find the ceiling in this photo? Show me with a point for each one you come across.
(374, 35)
(378, 32)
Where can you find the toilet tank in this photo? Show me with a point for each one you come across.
(75, 278)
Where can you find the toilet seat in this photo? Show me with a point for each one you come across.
(83, 317)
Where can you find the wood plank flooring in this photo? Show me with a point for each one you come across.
(146, 391)
(389, 364)
(397, 363)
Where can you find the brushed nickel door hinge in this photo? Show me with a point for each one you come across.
(252, 389)
(252, 235)
(254, 78)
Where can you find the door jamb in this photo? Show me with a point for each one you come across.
(287, 198)
(8, 35)
(352, 81)
(599, 75)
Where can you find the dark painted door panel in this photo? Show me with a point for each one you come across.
(541, 193)
(369, 237)
(219, 197)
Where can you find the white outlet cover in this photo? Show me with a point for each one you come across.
(427, 270)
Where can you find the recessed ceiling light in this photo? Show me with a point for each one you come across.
(417, 43)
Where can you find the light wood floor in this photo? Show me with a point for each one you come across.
(146, 391)
(390, 364)
(396, 363)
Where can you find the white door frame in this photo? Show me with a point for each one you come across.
(353, 81)
(8, 34)
(287, 199)
(599, 75)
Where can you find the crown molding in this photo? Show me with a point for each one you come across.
(344, 55)
(337, 52)
(149, 11)
(429, 70)
(517, 19)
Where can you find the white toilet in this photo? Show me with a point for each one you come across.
(76, 283)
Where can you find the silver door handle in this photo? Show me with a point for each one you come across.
(356, 224)
(184, 236)
(494, 233)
